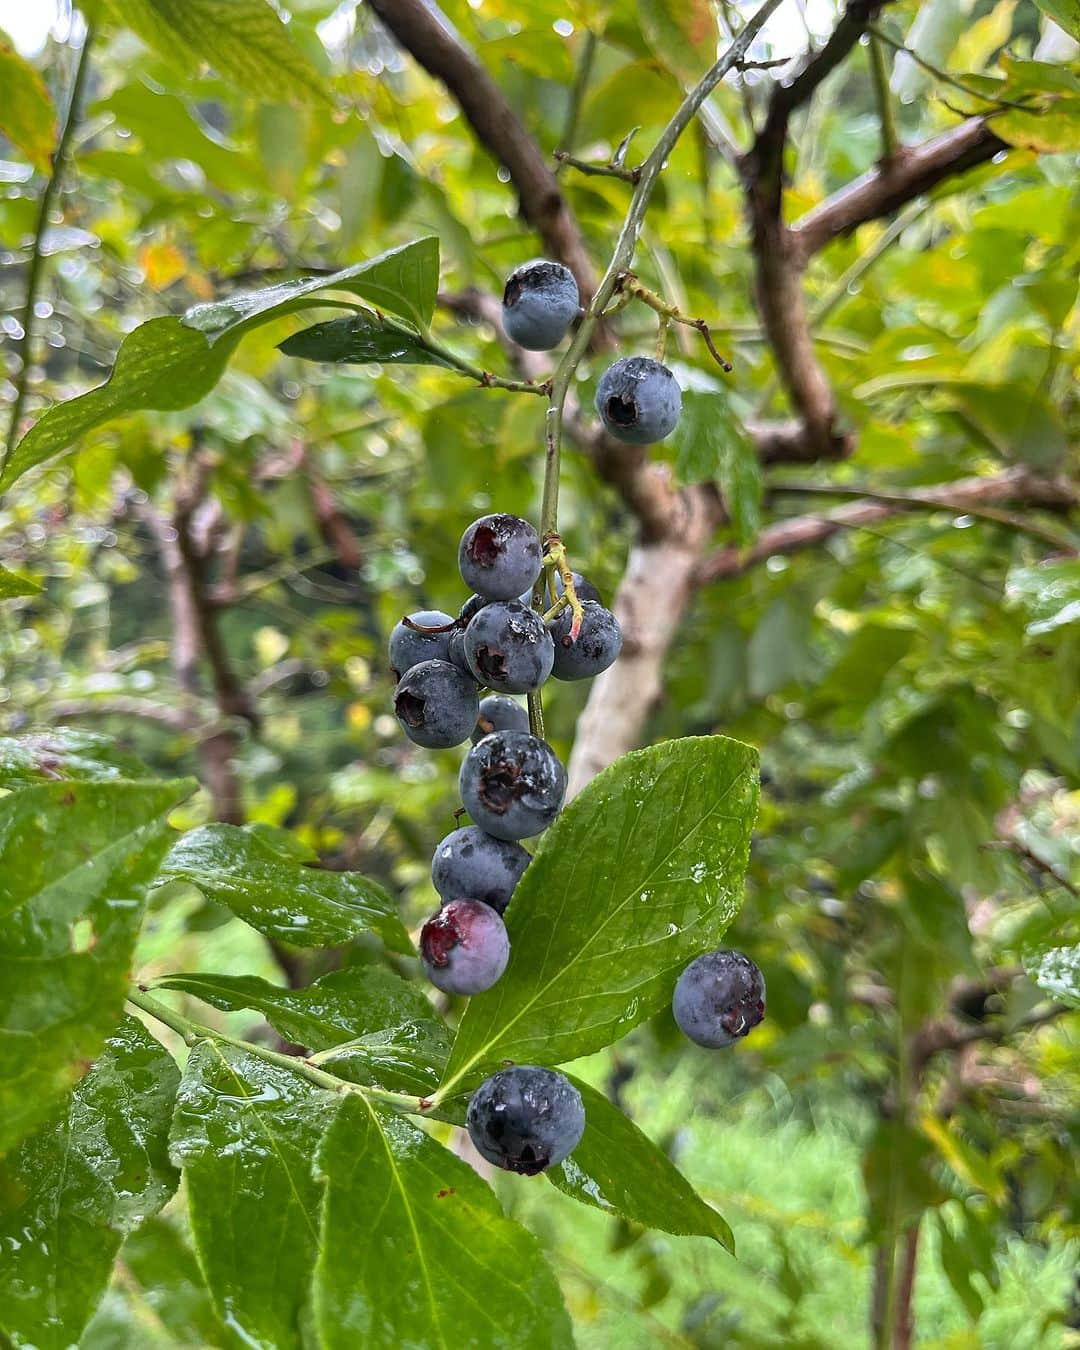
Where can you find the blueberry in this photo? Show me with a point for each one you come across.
(526, 1119)
(471, 863)
(508, 648)
(456, 653)
(500, 556)
(470, 609)
(638, 400)
(499, 713)
(719, 998)
(512, 784)
(408, 647)
(597, 646)
(436, 704)
(539, 303)
(464, 948)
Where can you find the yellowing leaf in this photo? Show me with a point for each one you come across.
(163, 264)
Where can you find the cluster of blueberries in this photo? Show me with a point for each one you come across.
(526, 1118)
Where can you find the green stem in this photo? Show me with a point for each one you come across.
(193, 1032)
(865, 261)
(623, 256)
(943, 75)
(61, 159)
(880, 76)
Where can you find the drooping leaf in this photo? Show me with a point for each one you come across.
(156, 1270)
(640, 874)
(389, 1034)
(76, 859)
(72, 1191)
(161, 366)
(281, 898)
(1057, 971)
(619, 1169)
(415, 1249)
(63, 753)
(27, 116)
(404, 280)
(244, 1134)
(710, 443)
(359, 340)
(246, 41)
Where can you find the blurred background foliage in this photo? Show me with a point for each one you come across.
(912, 685)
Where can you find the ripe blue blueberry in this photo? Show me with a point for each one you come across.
(409, 647)
(638, 400)
(508, 648)
(436, 705)
(512, 784)
(500, 713)
(526, 1119)
(464, 948)
(597, 646)
(499, 556)
(719, 998)
(539, 304)
(470, 863)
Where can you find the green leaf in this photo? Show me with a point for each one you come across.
(70, 1193)
(244, 40)
(415, 1250)
(640, 874)
(619, 1169)
(156, 1270)
(1057, 971)
(710, 443)
(1065, 13)
(1048, 593)
(404, 280)
(359, 340)
(279, 897)
(27, 116)
(682, 33)
(12, 585)
(63, 753)
(389, 1034)
(161, 366)
(76, 859)
(245, 1133)
(898, 1180)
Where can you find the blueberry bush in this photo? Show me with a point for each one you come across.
(539, 644)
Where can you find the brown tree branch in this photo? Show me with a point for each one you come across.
(424, 33)
(789, 536)
(912, 171)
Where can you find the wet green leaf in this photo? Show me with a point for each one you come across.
(13, 584)
(246, 41)
(389, 1033)
(357, 341)
(415, 1249)
(69, 1194)
(1065, 13)
(639, 874)
(76, 859)
(286, 901)
(161, 365)
(619, 1169)
(244, 1134)
(63, 753)
(403, 280)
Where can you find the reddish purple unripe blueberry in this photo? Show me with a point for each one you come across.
(464, 947)
(526, 1119)
(719, 998)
